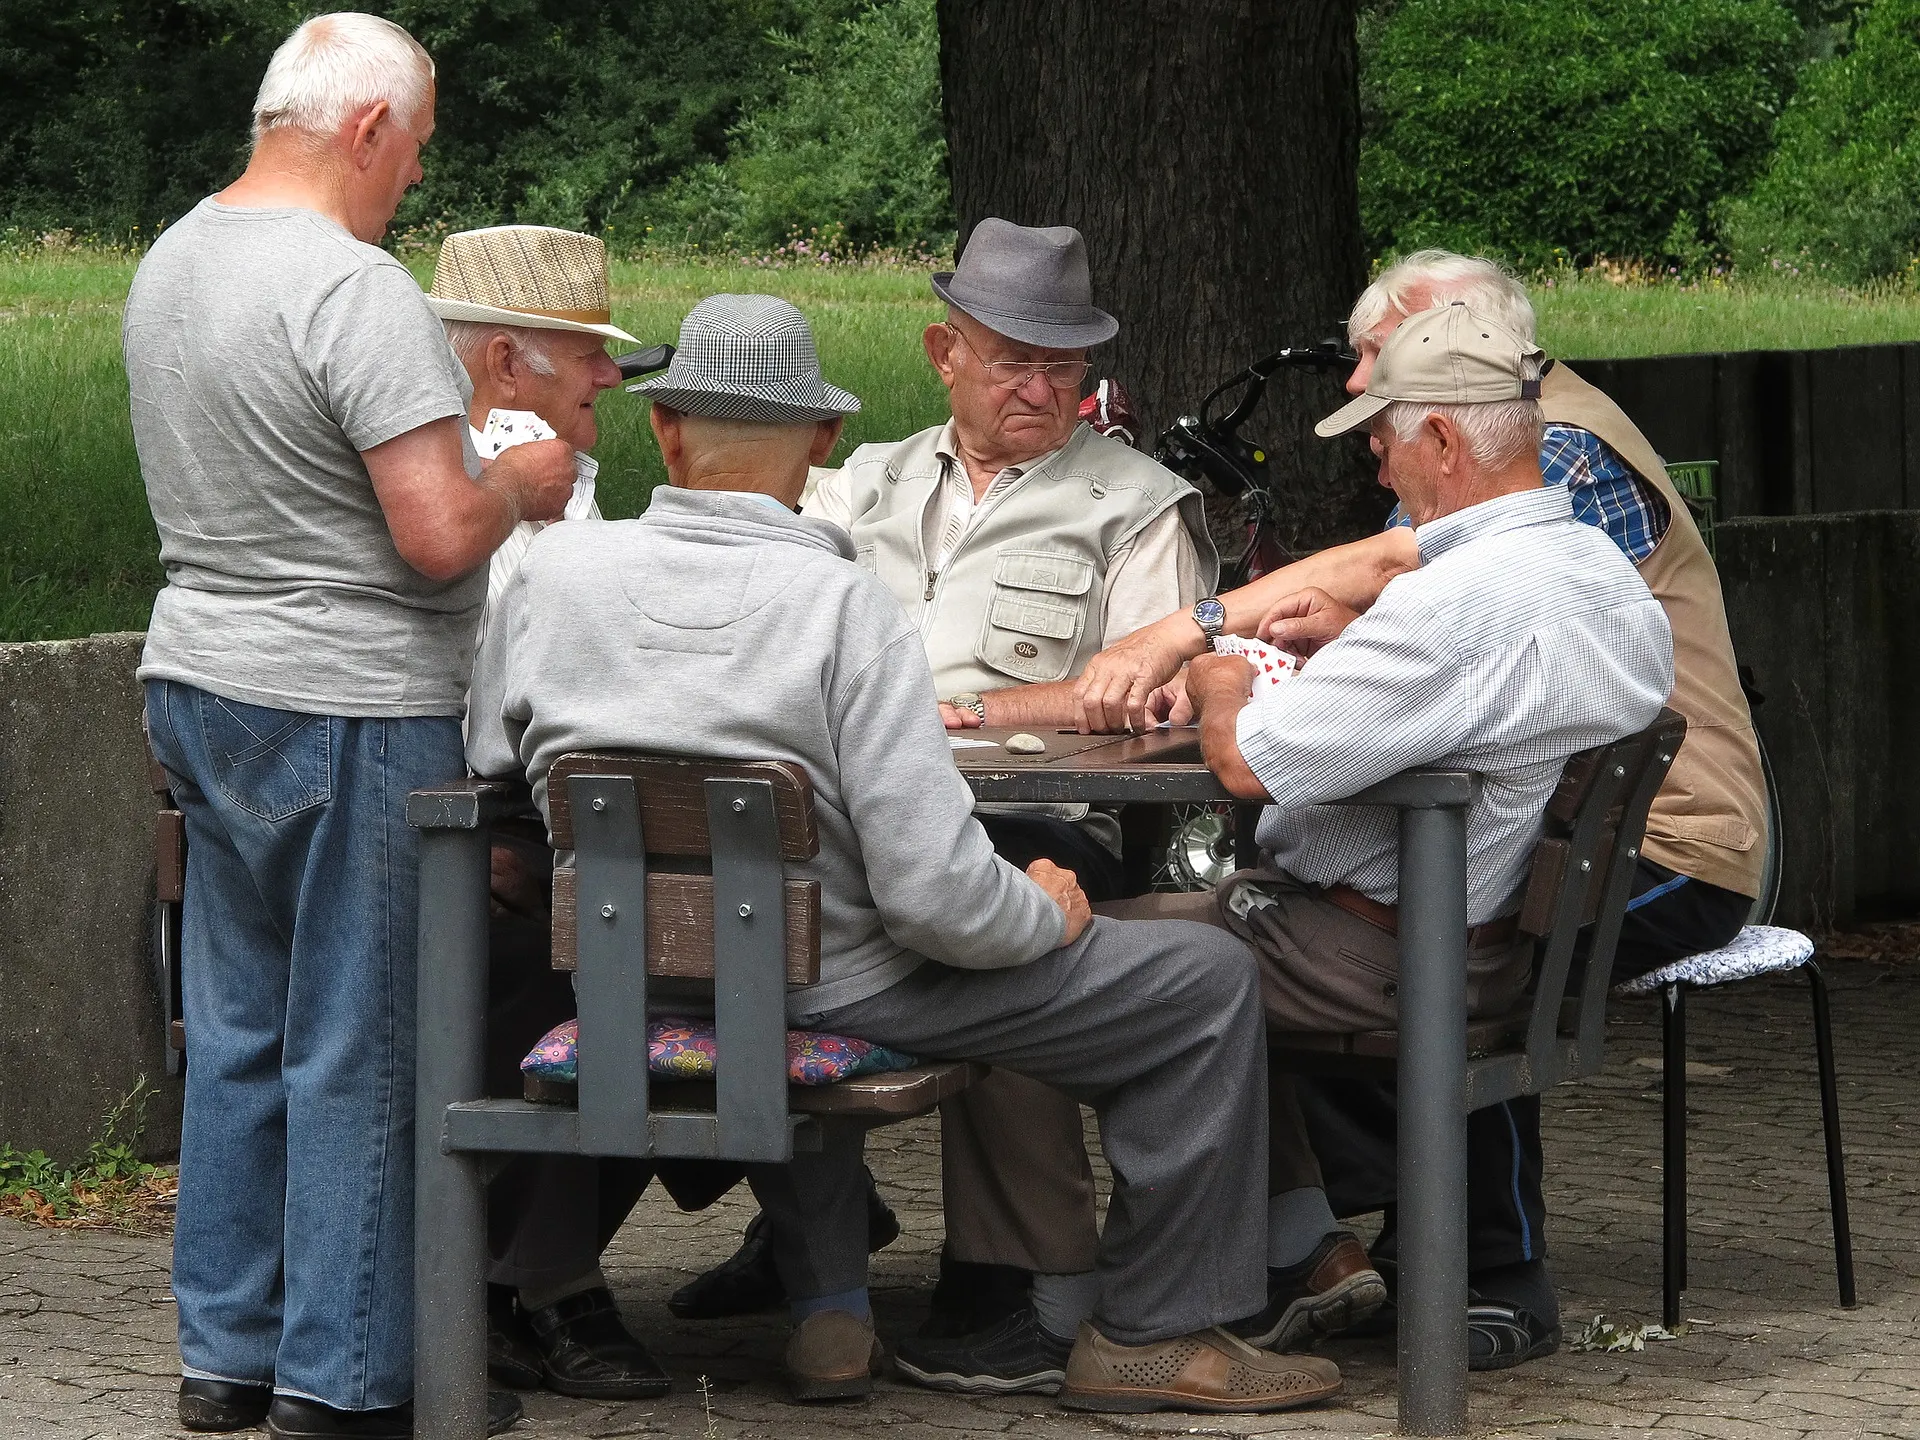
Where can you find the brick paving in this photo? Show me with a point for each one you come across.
(86, 1320)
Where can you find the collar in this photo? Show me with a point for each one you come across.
(744, 511)
(1548, 504)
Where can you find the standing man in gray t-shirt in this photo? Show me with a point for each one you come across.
(325, 529)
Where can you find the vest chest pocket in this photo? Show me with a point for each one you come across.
(1036, 614)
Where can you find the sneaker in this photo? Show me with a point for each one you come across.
(1333, 1289)
(970, 1297)
(1209, 1370)
(1501, 1336)
(1016, 1357)
(833, 1356)
(214, 1406)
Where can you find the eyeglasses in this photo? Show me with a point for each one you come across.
(1012, 374)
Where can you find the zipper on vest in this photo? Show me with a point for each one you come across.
(933, 578)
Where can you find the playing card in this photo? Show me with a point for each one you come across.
(585, 467)
(506, 428)
(1271, 665)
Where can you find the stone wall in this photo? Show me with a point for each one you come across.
(79, 1017)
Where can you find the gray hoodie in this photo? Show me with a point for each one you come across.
(719, 625)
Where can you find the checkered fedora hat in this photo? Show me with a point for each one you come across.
(748, 357)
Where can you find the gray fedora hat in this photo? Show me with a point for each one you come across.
(748, 357)
(1028, 283)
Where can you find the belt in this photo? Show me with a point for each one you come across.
(1387, 918)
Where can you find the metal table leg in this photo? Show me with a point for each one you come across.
(1433, 1122)
(450, 1203)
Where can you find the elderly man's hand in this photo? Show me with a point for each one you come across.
(1305, 621)
(1112, 691)
(514, 888)
(1063, 888)
(1170, 703)
(1216, 680)
(954, 718)
(536, 478)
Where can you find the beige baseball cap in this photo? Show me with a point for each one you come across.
(1444, 356)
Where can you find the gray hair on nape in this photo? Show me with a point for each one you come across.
(333, 65)
(1497, 432)
(470, 339)
(1429, 278)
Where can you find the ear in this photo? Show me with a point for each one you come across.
(937, 340)
(1452, 444)
(826, 435)
(668, 435)
(365, 133)
(502, 374)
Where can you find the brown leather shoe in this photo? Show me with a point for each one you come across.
(833, 1356)
(1333, 1289)
(1209, 1371)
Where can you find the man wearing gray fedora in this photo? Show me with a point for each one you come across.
(939, 947)
(1020, 541)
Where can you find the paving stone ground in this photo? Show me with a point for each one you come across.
(86, 1321)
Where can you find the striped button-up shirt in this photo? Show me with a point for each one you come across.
(1524, 637)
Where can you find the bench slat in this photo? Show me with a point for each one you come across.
(680, 926)
(894, 1095)
(673, 800)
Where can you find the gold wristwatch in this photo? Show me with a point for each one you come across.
(969, 701)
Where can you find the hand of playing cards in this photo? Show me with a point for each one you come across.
(507, 428)
(1271, 665)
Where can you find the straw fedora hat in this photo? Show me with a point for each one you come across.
(528, 275)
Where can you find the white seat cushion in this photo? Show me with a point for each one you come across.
(1756, 950)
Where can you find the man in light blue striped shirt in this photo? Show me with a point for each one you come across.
(1523, 637)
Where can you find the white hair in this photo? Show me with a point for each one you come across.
(470, 339)
(336, 64)
(1430, 278)
(1497, 432)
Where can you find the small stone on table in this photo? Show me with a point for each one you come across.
(1025, 744)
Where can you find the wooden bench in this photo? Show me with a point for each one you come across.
(676, 887)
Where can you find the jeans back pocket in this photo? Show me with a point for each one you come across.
(271, 763)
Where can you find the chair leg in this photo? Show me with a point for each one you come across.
(1673, 1097)
(1830, 1118)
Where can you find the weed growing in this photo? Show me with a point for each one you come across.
(112, 1188)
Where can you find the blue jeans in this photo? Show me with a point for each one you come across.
(293, 1252)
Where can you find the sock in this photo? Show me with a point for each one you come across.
(1297, 1221)
(1061, 1302)
(539, 1297)
(854, 1302)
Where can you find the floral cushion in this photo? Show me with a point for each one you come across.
(679, 1049)
(1756, 950)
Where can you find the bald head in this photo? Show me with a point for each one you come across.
(702, 452)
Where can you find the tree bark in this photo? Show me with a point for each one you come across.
(1209, 152)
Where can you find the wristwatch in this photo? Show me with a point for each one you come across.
(1211, 616)
(969, 701)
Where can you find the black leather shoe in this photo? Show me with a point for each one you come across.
(748, 1283)
(588, 1353)
(212, 1406)
(513, 1356)
(291, 1418)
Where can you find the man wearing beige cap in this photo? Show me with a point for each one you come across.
(325, 528)
(1523, 637)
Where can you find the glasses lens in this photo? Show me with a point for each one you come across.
(1061, 374)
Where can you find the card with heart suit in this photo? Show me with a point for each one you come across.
(1271, 664)
(507, 428)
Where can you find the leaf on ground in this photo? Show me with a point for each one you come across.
(1605, 1335)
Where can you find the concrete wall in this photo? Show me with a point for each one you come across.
(79, 1019)
(1826, 611)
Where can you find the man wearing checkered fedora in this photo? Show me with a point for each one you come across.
(930, 942)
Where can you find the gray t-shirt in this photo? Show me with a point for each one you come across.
(266, 348)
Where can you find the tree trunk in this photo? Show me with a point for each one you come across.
(1209, 152)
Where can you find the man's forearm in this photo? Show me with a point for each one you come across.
(1050, 704)
(1220, 748)
(1354, 574)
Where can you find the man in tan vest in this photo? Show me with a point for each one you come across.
(1021, 541)
(1701, 863)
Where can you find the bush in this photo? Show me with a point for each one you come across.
(1842, 193)
(853, 149)
(1553, 128)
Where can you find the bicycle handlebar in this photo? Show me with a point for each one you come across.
(636, 363)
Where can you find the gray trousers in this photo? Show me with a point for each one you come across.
(1157, 1026)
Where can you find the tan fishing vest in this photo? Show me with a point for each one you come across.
(1710, 819)
(1021, 599)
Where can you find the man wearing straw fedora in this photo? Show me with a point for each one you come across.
(527, 310)
(1020, 541)
(939, 947)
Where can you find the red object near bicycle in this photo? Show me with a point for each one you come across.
(1109, 409)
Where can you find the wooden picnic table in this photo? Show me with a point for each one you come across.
(1164, 767)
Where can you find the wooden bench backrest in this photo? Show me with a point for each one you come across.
(673, 824)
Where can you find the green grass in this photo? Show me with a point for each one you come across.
(77, 549)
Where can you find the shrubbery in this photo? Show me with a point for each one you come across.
(1546, 128)
(1842, 192)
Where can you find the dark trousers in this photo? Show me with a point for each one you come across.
(1352, 1123)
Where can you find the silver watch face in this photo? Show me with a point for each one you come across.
(1211, 616)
